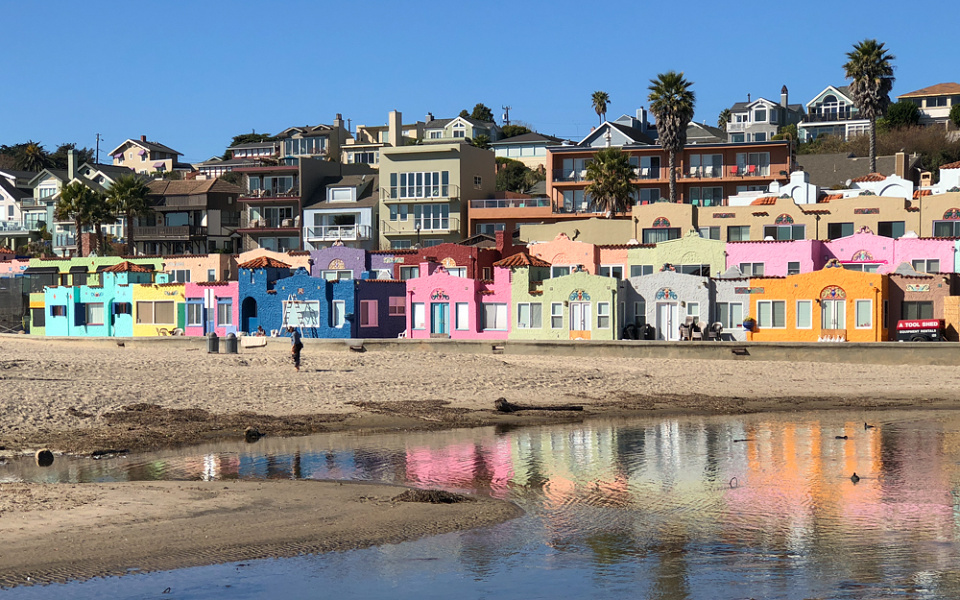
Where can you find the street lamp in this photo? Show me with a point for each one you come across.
(417, 227)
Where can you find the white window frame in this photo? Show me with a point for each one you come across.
(731, 322)
(338, 308)
(856, 313)
(770, 304)
(224, 319)
(609, 271)
(89, 312)
(753, 269)
(556, 312)
(603, 312)
(419, 317)
(691, 313)
(198, 322)
(501, 312)
(809, 312)
(528, 308)
(461, 316)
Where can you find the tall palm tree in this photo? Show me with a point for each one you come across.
(723, 119)
(609, 174)
(76, 203)
(600, 102)
(672, 103)
(101, 213)
(128, 197)
(870, 69)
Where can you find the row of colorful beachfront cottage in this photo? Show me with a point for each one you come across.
(853, 288)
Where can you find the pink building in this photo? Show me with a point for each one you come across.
(565, 254)
(200, 267)
(12, 267)
(440, 305)
(775, 258)
(212, 306)
(871, 253)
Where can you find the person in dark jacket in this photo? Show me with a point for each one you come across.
(296, 345)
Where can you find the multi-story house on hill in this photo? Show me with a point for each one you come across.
(759, 120)
(935, 103)
(831, 112)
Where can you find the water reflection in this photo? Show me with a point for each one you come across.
(757, 506)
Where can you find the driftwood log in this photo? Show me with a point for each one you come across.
(503, 406)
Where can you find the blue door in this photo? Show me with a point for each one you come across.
(209, 315)
(440, 317)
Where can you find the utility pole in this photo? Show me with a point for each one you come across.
(506, 115)
(96, 159)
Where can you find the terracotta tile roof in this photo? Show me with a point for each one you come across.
(488, 293)
(299, 253)
(940, 89)
(817, 211)
(397, 251)
(213, 283)
(521, 259)
(953, 165)
(830, 197)
(913, 209)
(765, 201)
(761, 214)
(872, 177)
(918, 193)
(263, 261)
(127, 267)
(171, 284)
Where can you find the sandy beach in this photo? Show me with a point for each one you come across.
(83, 396)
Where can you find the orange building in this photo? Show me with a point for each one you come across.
(833, 304)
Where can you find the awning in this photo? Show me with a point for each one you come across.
(157, 165)
(78, 269)
(142, 152)
(118, 155)
(41, 271)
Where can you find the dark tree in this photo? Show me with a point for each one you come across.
(510, 131)
(481, 113)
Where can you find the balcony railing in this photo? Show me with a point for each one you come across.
(12, 226)
(292, 192)
(420, 193)
(246, 222)
(511, 203)
(427, 226)
(32, 203)
(332, 233)
(642, 173)
(832, 117)
(749, 170)
(705, 172)
(176, 232)
(736, 127)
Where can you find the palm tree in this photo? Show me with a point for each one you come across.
(869, 68)
(600, 102)
(76, 203)
(609, 174)
(723, 119)
(32, 157)
(672, 103)
(128, 197)
(101, 213)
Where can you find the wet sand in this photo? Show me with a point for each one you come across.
(82, 397)
(59, 532)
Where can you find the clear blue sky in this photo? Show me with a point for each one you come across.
(194, 74)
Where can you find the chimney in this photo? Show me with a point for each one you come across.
(395, 128)
(428, 118)
(143, 138)
(748, 98)
(783, 98)
(71, 164)
(900, 165)
(642, 118)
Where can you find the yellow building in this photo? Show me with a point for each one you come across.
(833, 304)
(158, 309)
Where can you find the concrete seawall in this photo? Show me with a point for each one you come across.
(882, 353)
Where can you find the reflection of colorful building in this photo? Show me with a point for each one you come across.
(465, 466)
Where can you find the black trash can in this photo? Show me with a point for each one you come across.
(213, 343)
(230, 343)
(649, 333)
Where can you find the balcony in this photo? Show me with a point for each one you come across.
(512, 203)
(12, 226)
(736, 127)
(332, 233)
(749, 170)
(181, 202)
(63, 240)
(420, 193)
(174, 233)
(34, 203)
(706, 172)
(832, 117)
(271, 194)
(250, 225)
(427, 226)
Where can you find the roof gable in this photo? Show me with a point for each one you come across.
(837, 91)
(940, 89)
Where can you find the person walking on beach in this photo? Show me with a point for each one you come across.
(295, 346)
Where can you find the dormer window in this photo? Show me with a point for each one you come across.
(459, 130)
